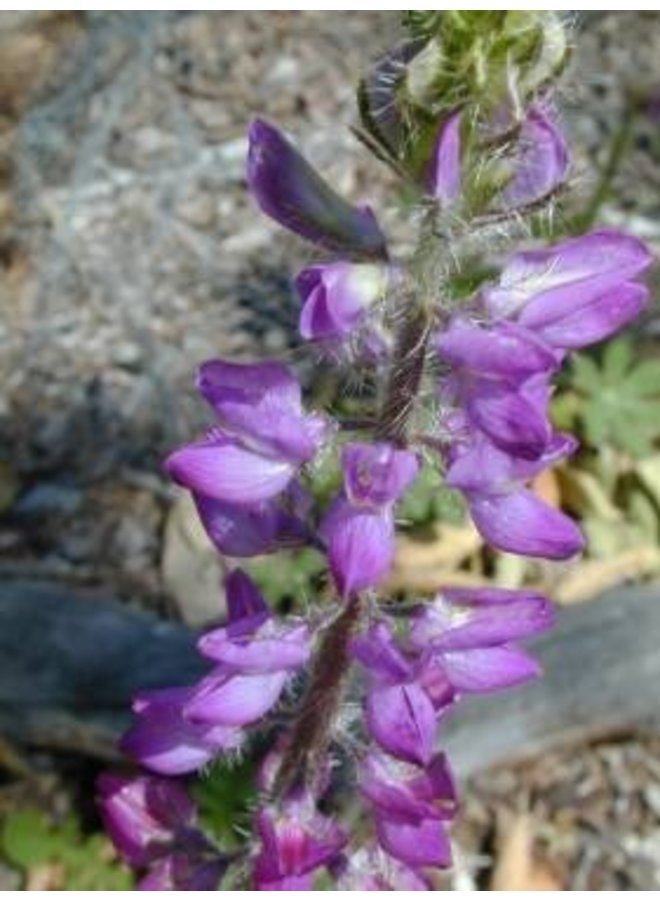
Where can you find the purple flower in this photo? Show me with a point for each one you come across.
(410, 806)
(337, 297)
(164, 739)
(359, 526)
(400, 715)
(499, 378)
(266, 527)
(541, 287)
(296, 841)
(262, 437)
(256, 658)
(507, 514)
(541, 161)
(465, 636)
(538, 162)
(288, 190)
(152, 823)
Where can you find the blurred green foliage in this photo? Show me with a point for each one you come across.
(30, 841)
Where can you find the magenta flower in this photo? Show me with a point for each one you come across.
(288, 190)
(261, 439)
(359, 526)
(296, 841)
(337, 298)
(153, 824)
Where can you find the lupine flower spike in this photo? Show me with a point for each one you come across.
(351, 698)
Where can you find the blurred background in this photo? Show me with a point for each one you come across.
(130, 251)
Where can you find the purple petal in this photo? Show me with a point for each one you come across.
(542, 161)
(164, 741)
(379, 654)
(505, 351)
(360, 546)
(247, 384)
(377, 474)
(401, 719)
(571, 272)
(245, 531)
(429, 794)
(489, 669)
(273, 650)
(142, 814)
(482, 468)
(336, 296)
(512, 420)
(520, 522)
(423, 844)
(225, 471)
(445, 169)
(294, 842)
(288, 190)
(599, 319)
(245, 601)
(234, 700)
(450, 624)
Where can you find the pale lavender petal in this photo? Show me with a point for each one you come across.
(573, 271)
(520, 522)
(288, 190)
(542, 161)
(489, 668)
(465, 618)
(401, 718)
(505, 351)
(336, 296)
(234, 700)
(445, 169)
(223, 470)
(360, 546)
(278, 649)
(599, 319)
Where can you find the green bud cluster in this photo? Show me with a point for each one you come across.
(479, 62)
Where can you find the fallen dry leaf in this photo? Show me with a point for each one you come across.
(424, 565)
(516, 866)
(592, 577)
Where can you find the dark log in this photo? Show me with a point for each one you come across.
(70, 663)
